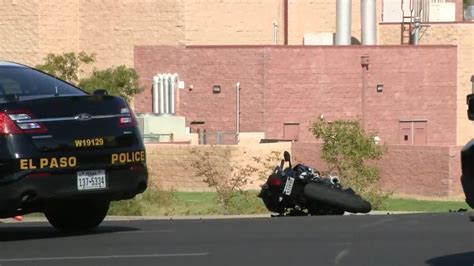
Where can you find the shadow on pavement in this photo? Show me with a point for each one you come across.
(18, 233)
(461, 259)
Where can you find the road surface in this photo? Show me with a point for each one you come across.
(412, 239)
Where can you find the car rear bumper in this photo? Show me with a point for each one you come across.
(467, 178)
(32, 193)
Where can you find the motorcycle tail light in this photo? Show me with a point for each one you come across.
(275, 181)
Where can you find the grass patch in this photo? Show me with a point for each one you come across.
(161, 203)
(423, 205)
(164, 203)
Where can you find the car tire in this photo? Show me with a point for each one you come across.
(467, 183)
(77, 215)
(340, 199)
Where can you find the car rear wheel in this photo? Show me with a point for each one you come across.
(77, 215)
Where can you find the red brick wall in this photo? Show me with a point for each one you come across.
(296, 84)
(406, 170)
(202, 68)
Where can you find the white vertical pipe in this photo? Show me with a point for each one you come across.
(275, 32)
(343, 22)
(166, 81)
(173, 81)
(368, 15)
(162, 94)
(155, 95)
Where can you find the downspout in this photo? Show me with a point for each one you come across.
(364, 61)
(285, 22)
(237, 112)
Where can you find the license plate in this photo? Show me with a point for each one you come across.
(289, 186)
(89, 180)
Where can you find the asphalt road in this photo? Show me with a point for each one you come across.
(414, 239)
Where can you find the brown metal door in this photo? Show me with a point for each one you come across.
(405, 133)
(291, 131)
(419, 133)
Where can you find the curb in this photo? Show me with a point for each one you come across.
(194, 217)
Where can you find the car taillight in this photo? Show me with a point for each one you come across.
(7, 126)
(275, 181)
(19, 122)
(128, 119)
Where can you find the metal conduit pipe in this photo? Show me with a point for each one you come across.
(416, 34)
(155, 95)
(161, 92)
(167, 93)
(173, 80)
(343, 22)
(164, 93)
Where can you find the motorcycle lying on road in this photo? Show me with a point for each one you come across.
(300, 190)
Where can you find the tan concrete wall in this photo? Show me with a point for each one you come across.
(233, 21)
(170, 166)
(409, 171)
(320, 16)
(111, 28)
(19, 31)
(461, 34)
(58, 26)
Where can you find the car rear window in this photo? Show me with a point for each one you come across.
(23, 81)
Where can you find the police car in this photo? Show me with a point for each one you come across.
(64, 152)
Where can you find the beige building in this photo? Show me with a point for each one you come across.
(31, 29)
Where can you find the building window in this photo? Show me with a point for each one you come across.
(413, 132)
(468, 10)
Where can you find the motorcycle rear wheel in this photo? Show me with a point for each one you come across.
(340, 199)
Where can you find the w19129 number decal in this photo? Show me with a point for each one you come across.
(89, 142)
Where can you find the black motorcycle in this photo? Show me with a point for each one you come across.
(301, 190)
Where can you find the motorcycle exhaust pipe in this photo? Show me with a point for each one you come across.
(335, 180)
